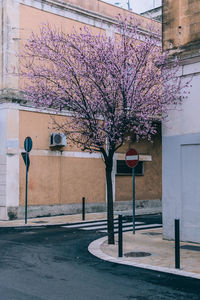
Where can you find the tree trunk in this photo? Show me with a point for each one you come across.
(110, 222)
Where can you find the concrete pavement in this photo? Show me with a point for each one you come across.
(161, 252)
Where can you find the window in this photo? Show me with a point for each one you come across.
(123, 169)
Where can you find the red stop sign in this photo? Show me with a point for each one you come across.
(132, 158)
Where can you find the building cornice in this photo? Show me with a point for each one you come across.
(73, 8)
(100, 19)
(185, 58)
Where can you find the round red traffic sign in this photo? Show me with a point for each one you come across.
(132, 158)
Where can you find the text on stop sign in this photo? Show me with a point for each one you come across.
(132, 157)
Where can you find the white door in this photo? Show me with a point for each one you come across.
(190, 175)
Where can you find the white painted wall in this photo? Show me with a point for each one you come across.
(12, 143)
(190, 192)
(9, 159)
(3, 117)
(186, 119)
(10, 43)
(181, 163)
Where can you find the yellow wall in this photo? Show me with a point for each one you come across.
(40, 17)
(109, 10)
(63, 180)
(57, 179)
(60, 179)
(39, 128)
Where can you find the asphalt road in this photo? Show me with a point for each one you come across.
(53, 263)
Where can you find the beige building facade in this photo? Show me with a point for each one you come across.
(58, 179)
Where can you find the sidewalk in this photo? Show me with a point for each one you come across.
(64, 219)
(55, 220)
(161, 252)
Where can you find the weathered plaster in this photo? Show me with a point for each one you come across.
(181, 26)
(3, 162)
(9, 162)
(9, 43)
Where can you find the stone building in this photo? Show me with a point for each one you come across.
(181, 135)
(154, 13)
(58, 179)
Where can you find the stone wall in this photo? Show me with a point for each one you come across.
(181, 25)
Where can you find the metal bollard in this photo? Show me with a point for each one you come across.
(83, 208)
(177, 244)
(120, 237)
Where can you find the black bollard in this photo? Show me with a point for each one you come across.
(120, 237)
(177, 244)
(83, 208)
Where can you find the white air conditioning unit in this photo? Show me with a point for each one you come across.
(57, 140)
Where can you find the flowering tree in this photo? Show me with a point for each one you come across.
(113, 87)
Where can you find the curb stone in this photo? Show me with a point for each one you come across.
(94, 249)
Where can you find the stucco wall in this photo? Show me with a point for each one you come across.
(181, 24)
(9, 45)
(180, 140)
(109, 10)
(181, 134)
(9, 159)
(149, 185)
(3, 124)
(54, 177)
(62, 179)
(185, 119)
(39, 17)
(180, 199)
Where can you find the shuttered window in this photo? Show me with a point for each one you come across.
(123, 169)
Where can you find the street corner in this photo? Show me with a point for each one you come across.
(147, 250)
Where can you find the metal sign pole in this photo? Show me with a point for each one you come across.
(132, 159)
(27, 146)
(133, 173)
(26, 192)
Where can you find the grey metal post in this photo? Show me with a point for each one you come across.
(83, 208)
(177, 244)
(120, 237)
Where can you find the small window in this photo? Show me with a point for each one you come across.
(123, 169)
